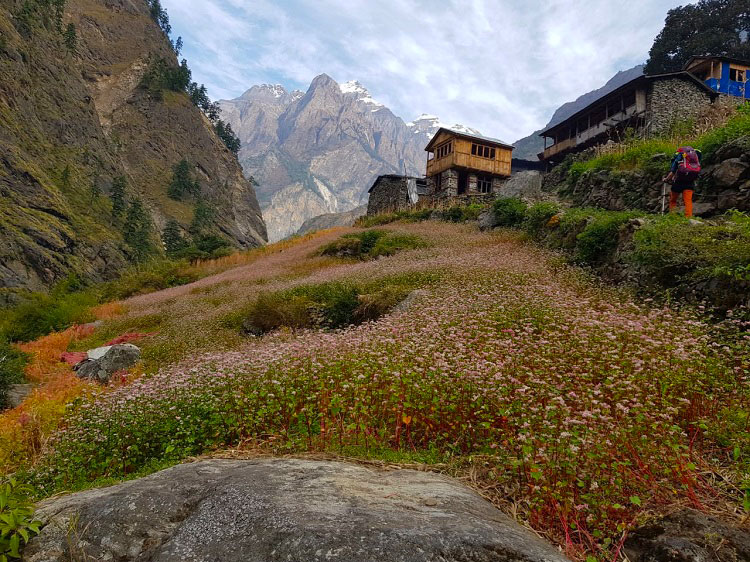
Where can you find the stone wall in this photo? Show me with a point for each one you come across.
(390, 194)
(672, 101)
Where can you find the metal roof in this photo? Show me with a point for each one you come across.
(468, 136)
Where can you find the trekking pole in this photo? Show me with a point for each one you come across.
(663, 196)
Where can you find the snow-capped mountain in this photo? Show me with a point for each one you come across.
(318, 152)
(425, 126)
(361, 94)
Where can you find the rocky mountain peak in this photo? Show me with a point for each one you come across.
(426, 125)
(360, 93)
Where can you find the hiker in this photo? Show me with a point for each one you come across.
(686, 165)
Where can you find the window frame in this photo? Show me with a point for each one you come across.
(484, 182)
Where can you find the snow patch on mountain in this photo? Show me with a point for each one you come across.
(427, 125)
(363, 95)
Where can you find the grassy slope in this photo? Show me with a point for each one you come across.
(513, 369)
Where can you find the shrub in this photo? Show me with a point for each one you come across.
(40, 314)
(510, 211)
(12, 363)
(326, 305)
(462, 213)
(17, 523)
(370, 244)
(738, 126)
(676, 251)
(599, 239)
(538, 215)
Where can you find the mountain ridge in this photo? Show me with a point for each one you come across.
(294, 144)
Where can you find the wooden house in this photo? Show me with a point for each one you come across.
(723, 75)
(463, 164)
(649, 104)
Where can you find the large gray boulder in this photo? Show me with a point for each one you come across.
(282, 510)
(525, 185)
(103, 362)
(688, 536)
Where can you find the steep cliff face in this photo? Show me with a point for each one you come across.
(318, 152)
(73, 119)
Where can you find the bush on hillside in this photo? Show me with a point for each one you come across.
(599, 238)
(538, 216)
(675, 251)
(12, 364)
(371, 244)
(326, 305)
(510, 211)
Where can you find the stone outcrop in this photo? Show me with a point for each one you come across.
(103, 362)
(291, 510)
(526, 185)
(331, 220)
(687, 536)
(17, 393)
(70, 121)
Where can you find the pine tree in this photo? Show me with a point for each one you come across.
(117, 194)
(137, 230)
(172, 238)
(70, 38)
(178, 46)
(95, 191)
(182, 182)
(202, 217)
(65, 178)
(226, 134)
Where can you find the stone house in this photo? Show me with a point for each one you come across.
(392, 192)
(462, 164)
(649, 104)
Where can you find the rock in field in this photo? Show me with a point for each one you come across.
(282, 510)
(17, 393)
(688, 536)
(103, 362)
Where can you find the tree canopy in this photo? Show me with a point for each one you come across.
(708, 27)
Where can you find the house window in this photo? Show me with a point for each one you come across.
(629, 99)
(482, 151)
(444, 150)
(736, 75)
(484, 185)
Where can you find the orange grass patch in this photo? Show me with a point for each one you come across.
(108, 311)
(24, 431)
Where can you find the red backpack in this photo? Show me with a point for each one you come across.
(690, 165)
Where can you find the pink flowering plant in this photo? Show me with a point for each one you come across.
(585, 406)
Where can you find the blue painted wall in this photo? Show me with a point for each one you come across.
(726, 86)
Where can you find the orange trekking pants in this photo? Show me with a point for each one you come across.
(687, 197)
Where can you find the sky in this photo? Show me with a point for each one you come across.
(499, 66)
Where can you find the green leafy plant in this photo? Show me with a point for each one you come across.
(17, 523)
(371, 244)
(510, 211)
(538, 215)
(600, 236)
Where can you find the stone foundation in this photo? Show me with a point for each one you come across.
(671, 102)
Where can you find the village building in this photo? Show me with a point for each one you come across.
(724, 75)
(391, 193)
(649, 104)
(463, 164)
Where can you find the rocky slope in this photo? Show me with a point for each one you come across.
(73, 119)
(331, 220)
(527, 148)
(318, 152)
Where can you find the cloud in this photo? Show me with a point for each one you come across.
(500, 66)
